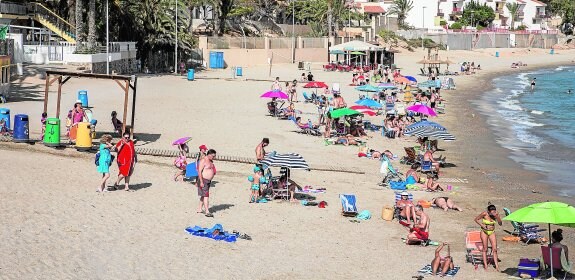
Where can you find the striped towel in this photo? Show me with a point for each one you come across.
(427, 270)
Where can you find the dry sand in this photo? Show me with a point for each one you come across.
(54, 225)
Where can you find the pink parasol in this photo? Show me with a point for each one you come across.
(315, 85)
(364, 110)
(422, 109)
(182, 140)
(274, 94)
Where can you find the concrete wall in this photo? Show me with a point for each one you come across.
(251, 57)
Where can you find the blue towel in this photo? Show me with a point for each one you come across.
(209, 233)
(364, 215)
(427, 270)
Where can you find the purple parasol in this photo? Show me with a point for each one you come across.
(274, 94)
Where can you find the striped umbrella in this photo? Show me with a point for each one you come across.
(425, 124)
(364, 110)
(292, 161)
(431, 132)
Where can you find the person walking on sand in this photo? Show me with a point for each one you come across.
(486, 220)
(260, 151)
(181, 162)
(126, 160)
(105, 160)
(206, 172)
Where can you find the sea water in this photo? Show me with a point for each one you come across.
(537, 126)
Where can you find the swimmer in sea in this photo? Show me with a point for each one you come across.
(533, 84)
(569, 91)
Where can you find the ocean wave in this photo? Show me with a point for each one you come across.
(560, 68)
(536, 112)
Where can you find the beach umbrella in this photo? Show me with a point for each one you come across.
(386, 86)
(369, 103)
(336, 52)
(426, 84)
(182, 140)
(550, 212)
(315, 85)
(422, 109)
(364, 110)
(368, 88)
(424, 61)
(291, 160)
(431, 132)
(357, 53)
(411, 78)
(402, 79)
(424, 123)
(274, 94)
(338, 113)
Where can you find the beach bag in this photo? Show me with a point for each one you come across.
(387, 213)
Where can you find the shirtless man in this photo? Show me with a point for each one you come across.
(206, 173)
(420, 231)
(276, 86)
(260, 151)
(406, 207)
(428, 156)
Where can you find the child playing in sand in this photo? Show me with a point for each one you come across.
(256, 182)
(43, 121)
(181, 162)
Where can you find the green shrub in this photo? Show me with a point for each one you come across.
(456, 25)
(521, 27)
(443, 22)
(479, 28)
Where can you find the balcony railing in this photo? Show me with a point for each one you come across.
(457, 10)
(520, 14)
(540, 15)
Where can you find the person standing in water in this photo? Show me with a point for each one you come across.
(206, 173)
(533, 84)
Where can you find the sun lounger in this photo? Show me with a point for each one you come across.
(348, 207)
(527, 232)
(559, 260)
(410, 156)
(473, 247)
(306, 98)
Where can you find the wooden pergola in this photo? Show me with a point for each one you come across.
(125, 82)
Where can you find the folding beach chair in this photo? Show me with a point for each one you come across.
(396, 210)
(473, 247)
(527, 232)
(410, 156)
(348, 207)
(277, 190)
(306, 98)
(559, 260)
(427, 167)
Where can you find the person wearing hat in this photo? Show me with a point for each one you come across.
(407, 208)
(203, 149)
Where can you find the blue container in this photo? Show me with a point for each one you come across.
(213, 60)
(5, 114)
(220, 56)
(83, 96)
(496, 54)
(239, 71)
(21, 132)
(191, 74)
(552, 51)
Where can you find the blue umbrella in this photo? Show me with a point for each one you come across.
(411, 78)
(369, 103)
(386, 86)
(368, 88)
(424, 124)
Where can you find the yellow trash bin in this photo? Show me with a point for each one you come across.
(83, 137)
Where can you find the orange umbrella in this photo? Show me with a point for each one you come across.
(402, 80)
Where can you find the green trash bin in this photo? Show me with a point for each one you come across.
(52, 133)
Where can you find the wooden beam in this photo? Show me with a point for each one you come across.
(121, 85)
(53, 80)
(59, 97)
(134, 100)
(90, 75)
(126, 88)
(66, 79)
(46, 89)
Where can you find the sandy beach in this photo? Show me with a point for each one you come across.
(55, 226)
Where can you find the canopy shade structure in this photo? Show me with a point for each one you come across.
(356, 46)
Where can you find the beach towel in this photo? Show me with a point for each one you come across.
(364, 215)
(216, 232)
(427, 271)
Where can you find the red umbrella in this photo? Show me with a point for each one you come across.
(315, 85)
(364, 110)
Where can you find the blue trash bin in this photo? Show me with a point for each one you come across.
(552, 51)
(5, 114)
(496, 54)
(191, 74)
(21, 132)
(83, 96)
(239, 71)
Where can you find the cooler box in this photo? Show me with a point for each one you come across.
(83, 96)
(191, 74)
(239, 71)
(52, 134)
(528, 266)
(21, 130)
(191, 171)
(83, 136)
(5, 114)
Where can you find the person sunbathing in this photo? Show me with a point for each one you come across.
(305, 125)
(406, 206)
(346, 140)
(375, 154)
(290, 111)
(445, 203)
(443, 265)
(419, 233)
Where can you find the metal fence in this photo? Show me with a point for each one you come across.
(544, 41)
(281, 43)
(236, 42)
(307, 43)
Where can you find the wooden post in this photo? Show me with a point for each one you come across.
(134, 101)
(126, 90)
(59, 97)
(46, 89)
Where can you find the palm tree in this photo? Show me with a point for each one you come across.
(91, 24)
(401, 8)
(513, 9)
(79, 23)
(71, 10)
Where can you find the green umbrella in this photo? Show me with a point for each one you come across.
(338, 113)
(556, 213)
(359, 53)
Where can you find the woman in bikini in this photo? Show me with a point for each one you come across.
(486, 220)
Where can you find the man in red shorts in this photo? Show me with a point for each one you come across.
(419, 233)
